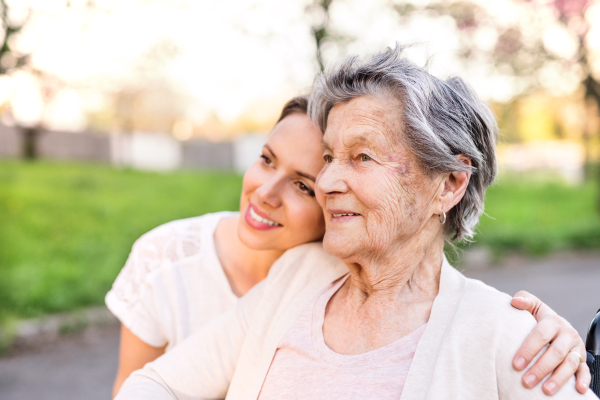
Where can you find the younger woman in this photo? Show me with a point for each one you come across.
(161, 301)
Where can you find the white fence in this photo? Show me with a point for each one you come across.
(146, 151)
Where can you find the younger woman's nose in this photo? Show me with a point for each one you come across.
(269, 192)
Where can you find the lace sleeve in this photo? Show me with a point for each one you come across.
(159, 247)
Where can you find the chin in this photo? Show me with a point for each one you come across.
(250, 239)
(337, 247)
(253, 241)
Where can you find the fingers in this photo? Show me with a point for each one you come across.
(524, 300)
(583, 377)
(560, 358)
(520, 302)
(545, 331)
(564, 372)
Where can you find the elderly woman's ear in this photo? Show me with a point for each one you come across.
(454, 186)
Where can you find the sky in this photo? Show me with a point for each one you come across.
(224, 57)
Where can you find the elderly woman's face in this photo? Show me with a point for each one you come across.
(374, 194)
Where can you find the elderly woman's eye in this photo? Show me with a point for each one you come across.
(328, 159)
(364, 157)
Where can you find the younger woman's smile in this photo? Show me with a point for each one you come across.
(258, 219)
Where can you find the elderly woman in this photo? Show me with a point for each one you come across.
(408, 158)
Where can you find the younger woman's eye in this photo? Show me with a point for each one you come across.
(364, 157)
(305, 189)
(266, 159)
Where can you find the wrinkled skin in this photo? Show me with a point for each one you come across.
(393, 242)
(393, 196)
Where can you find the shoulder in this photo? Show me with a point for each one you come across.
(492, 326)
(162, 247)
(480, 315)
(178, 239)
(307, 258)
(493, 311)
(183, 230)
(497, 304)
(307, 263)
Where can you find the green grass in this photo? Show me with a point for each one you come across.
(538, 216)
(66, 229)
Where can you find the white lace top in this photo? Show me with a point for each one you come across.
(161, 300)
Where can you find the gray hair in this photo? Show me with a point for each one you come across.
(442, 119)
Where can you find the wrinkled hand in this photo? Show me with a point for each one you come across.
(560, 358)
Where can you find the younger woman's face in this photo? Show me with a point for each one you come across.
(278, 206)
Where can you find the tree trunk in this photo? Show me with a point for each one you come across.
(30, 143)
(321, 31)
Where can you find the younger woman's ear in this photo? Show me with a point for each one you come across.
(455, 186)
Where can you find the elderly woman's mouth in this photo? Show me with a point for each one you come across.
(341, 214)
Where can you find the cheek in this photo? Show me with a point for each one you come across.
(253, 178)
(305, 216)
(391, 202)
(382, 191)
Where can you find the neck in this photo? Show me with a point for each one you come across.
(409, 272)
(243, 266)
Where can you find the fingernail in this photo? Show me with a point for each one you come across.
(520, 363)
(551, 387)
(520, 297)
(530, 380)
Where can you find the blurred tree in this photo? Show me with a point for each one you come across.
(546, 43)
(15, 19)
(318, 13)
(13, 22)
(322, 29)
(11, 60)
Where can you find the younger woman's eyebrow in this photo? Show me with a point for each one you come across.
(307, 176)
(270, 151)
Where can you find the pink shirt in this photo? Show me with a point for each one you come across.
(304, 367)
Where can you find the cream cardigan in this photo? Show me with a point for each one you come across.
(465, 352)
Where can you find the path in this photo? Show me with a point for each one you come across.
(80, 366)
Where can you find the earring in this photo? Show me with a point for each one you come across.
(440, 218)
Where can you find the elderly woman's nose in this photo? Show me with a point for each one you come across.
(331, 180)
(270, 192)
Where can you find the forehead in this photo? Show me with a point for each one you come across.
(296, 141)
(365, 120)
